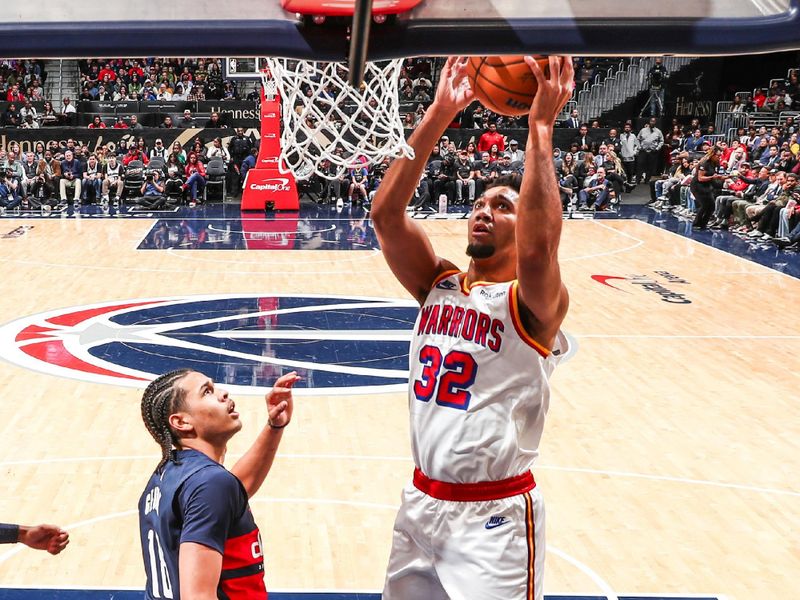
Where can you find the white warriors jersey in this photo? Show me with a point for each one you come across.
(478, 383)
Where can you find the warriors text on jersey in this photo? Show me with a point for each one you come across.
(478, 383)
(198, 500)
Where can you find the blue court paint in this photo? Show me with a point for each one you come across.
(338, 344)
(33, 594)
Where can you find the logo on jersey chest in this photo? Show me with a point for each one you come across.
(460, 322)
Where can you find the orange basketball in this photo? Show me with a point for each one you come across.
(504, 84)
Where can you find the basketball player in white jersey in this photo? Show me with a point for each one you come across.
(471, 525)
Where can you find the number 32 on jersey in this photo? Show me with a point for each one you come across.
(447, 378)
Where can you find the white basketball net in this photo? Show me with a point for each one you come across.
(335, 122)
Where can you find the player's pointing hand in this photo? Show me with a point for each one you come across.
(279, 400)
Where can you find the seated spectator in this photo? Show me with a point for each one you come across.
(567, 185)
(68, 112)
(695, 141)
(215, 122)
(217, 150)
(465, 178)
(167, 123)
(112, 179)
(9, 196)
(152, 191)
(187, 120)
(516, 153)
(195, 174)
(48, 174)
(759, 98)
(158, 151)
(97, 123)
(584, 139)
(14, 168)
(28, 109)
(120, 123)
(229, 91)
(29, 165)
(597, 191)
(163, 93)
(71, 177)
(134, 153)
(29, 123)
(421, 200)
(104, 94)
(174, 185)
(10, 117)
(92, 182)
(422, 96)
(15, 95)
(48, 115)
(491, 137)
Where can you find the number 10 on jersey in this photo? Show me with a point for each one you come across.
(447, 378)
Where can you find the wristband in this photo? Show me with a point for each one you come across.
(271, 426)
(9, 534)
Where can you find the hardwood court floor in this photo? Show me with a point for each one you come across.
(669, 462)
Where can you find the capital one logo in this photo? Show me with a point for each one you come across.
(281, 185)
(338, 344)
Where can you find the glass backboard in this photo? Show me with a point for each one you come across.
(51, 28)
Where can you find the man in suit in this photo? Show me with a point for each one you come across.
(573, 121)
(583, 139)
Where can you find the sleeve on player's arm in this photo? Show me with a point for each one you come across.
(210, 501)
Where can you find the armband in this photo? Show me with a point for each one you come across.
(9, 534)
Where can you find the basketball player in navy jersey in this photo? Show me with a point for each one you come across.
(199, 539)
(471, 524)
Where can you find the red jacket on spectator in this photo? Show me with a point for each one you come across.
(12, 97)
(100, 125)
(106, 71)
(135, 155)
(759, 99)
(192, 167)
(489, 138)
(138, 71)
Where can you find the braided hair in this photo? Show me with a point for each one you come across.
(161, 399)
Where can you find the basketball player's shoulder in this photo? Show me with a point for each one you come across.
(445, 270)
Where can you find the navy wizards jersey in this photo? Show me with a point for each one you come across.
(199, 501)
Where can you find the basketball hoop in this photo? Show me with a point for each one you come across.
(324, 119)
(270, 85)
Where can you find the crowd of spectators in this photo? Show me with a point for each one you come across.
(747, 185)
(747, 192)
(151, 79)
(59, 173)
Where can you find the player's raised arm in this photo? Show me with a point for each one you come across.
(252, 468)
(407, 249)
(539, 213)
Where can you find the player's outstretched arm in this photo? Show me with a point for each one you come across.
(51, 538)
(252, 468)
(407, 249)
(541, 290)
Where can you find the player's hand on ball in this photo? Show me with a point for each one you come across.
(454, 92)
(279, 400)
(555, 88)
